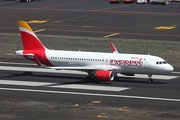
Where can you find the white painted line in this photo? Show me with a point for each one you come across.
(91, 87)
(92, 94)
(54, 85)
(176, 72)
(160, 77)
(40, 70)
(24, 83)
(12, 63)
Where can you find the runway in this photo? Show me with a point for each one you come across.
(60, 84)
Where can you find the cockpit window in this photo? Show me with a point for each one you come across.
(161, 62)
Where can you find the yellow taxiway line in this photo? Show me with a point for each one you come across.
(166, 27)
(111, 35)
(39, 30)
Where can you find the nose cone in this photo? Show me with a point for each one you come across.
(169, 68)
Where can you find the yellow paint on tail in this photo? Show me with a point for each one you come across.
(24, 24)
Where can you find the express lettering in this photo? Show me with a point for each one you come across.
(126, 62)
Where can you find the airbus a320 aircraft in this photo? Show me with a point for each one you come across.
(102, 66)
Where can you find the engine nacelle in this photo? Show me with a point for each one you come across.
(104, 75)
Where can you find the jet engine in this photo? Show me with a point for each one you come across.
(104, 75)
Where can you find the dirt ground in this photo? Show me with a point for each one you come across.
(36, 109)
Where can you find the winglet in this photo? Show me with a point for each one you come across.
(114, 50)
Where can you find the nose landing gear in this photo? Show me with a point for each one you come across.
(150, 78)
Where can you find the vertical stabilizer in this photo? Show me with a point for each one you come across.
(29, 39)
(33, 48)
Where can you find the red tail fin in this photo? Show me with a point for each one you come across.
(33, 48)
(29, 39)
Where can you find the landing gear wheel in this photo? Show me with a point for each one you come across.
(150, 81)
(150, 78)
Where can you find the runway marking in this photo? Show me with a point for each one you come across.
(69, 86)
(92, 94)
(96, 101)
(12, 63)
(39, 30)
(176, 72)
(45, 70)
(91, 87)
(38, 21)
(161, 77)
(24, 83)
(111, 35)
(166, 27)
(87, 26)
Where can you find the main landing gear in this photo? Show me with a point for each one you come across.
(150, 78)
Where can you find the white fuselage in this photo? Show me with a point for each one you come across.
(120, 63)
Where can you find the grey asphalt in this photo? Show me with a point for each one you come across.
(92, 18)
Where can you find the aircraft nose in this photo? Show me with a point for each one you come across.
(169, 68)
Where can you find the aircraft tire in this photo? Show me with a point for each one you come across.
(150, 81)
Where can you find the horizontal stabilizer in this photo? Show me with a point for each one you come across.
(29, 56)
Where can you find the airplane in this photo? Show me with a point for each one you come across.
(100, 65)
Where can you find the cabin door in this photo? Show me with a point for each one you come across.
(146, 62)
